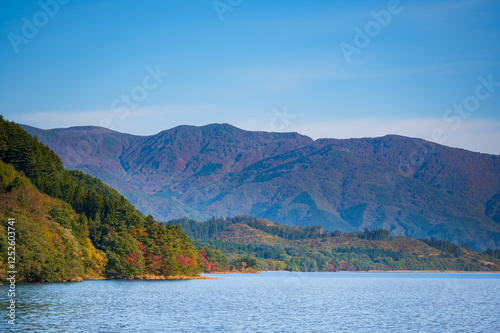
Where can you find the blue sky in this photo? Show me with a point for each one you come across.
(428, 69)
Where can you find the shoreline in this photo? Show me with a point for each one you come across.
(201, 277)
(236, 272)
(381, 271)
(139, 277)
(163, 277)
(430, 271)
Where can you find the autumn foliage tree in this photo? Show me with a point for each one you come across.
(112, 238)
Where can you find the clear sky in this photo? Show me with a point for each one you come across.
(339, 69)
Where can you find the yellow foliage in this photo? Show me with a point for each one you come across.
(94, 260)
(141, 232)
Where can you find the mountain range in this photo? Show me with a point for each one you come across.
(409, 186)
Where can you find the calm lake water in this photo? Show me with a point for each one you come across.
(266, 302)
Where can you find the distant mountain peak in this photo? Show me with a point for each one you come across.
(409, 186)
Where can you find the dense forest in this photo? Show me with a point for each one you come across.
(214, 226)
(277, 246)
(70, 225)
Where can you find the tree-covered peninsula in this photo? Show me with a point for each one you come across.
(70, 226)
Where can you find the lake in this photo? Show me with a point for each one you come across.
(265, 302)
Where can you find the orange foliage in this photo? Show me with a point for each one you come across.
(187, 261)
(141, 232)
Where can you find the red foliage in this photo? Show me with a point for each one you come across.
(208, 266)
(141, 246)
(183, 261)
(132, 258)
(203, 259)
(155, 262)
(187, 261)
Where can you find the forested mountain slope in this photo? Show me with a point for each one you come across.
(409, 186)
(276, 246)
